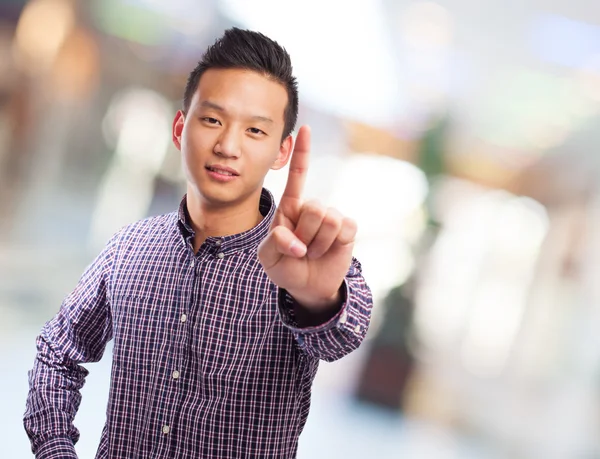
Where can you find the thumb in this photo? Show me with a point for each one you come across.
(280, 241)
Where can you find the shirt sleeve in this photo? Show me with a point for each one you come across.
(77, 334)
(344, 332)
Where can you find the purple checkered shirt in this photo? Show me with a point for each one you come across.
(209, 359)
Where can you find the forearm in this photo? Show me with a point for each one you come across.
(76, 335)
(52, 403)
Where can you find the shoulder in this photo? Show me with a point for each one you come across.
(157, 227)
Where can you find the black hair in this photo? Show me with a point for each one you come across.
(246, 49)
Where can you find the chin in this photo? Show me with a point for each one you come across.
(218, 196)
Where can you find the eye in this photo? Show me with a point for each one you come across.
(210, 120)
(256, 131)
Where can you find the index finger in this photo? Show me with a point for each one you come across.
(298, 165)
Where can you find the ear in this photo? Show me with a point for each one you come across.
(285, 153)
(178, 123)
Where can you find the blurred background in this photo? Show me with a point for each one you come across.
(462, 136)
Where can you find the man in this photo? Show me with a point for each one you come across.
(219, 312)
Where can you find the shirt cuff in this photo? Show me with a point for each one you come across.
(56, 448)
(286, 305)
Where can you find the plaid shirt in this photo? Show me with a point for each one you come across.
(208, 359)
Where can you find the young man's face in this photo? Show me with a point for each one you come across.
(231, 135)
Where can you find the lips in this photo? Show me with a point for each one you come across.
(223, 170)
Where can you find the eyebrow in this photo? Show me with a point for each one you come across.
(212, 105)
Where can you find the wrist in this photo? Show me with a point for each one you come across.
(319, 304)
(61, 446)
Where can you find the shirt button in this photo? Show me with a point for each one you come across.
(220, 255)
(192, 264)
(175, 374)
(343, 317)
(358, 329)
(218, 242)
(166, 429)
(183, 317)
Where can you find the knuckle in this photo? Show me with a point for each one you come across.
(333, 218)
(350, 223)
(314, 209)
(300, 170)
(332, 223)
(279, 232)
(333, 211)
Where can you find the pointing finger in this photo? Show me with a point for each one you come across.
(298, 165)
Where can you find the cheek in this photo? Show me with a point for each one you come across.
(263, 156)
(260, 168)
(195, 143)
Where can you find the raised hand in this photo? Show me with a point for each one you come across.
(309, 247)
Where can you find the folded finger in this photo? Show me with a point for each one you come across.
(280, 242)
(311, 216)
(326, 235)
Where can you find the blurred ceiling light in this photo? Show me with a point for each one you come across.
(43, 27)
(444, 294)
(493, 324)
(144, 128)
(517, 230)
(520, 226)
(427, 25)
(140, 120)
(341, 51)
(391, 191)
(477, 279)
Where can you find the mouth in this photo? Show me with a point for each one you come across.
(222, 170)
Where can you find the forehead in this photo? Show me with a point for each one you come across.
(242, 93)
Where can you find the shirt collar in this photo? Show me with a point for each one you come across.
(234, 242)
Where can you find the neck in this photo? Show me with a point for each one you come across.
(209, 220)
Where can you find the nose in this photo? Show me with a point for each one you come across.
(228, 144)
